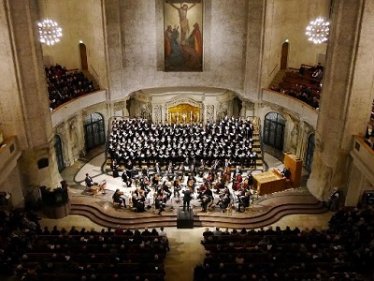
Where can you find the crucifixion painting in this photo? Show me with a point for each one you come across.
(183, 39)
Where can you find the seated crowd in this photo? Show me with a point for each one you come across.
(343, 252)
(138, 140)
(64, 85)
(32, 253)
(304, 85)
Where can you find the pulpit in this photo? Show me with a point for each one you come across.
(295, 166)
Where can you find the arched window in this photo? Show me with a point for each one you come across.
(59, 153)
(309, 153)
(94, 130)
(273, 134)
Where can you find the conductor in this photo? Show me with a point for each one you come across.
(186, 199)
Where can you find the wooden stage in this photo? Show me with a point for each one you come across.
(264, 211)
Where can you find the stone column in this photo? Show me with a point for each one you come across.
(346, 97)
(38, 160)
(255, 37)
(306, 130)
(113, 46)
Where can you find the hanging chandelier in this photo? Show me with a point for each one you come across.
(49, 32)
(318, 30)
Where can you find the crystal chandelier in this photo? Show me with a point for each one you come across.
(318, 30)
(49, 32)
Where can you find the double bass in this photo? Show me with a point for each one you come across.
(226, 176)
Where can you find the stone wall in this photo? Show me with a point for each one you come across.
(11, 119)
(224, 35)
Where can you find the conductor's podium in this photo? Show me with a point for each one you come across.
(269, 182)
(185, 218)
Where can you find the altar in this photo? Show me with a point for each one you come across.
(269, 182)
(183, 105)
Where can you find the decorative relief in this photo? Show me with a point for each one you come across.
(190, 101)
(60, 129)
(146, 111)
(222, 110)
(294, 138)
(118, 106)
(157, 110)
(308, 129)
(73, 130)
(209, 113)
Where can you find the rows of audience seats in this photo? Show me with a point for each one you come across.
(31, 253)
(305, 84)
(343, 252)
(64, 85)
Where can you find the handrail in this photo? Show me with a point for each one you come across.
(258, 120)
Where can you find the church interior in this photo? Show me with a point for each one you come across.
(187, 140)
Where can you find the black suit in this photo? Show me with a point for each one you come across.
(186, 199)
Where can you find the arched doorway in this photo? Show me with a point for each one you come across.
(273, 134)
(309, 153)
(94, 130)
(284, 55)
(83, 55)
(59, 153)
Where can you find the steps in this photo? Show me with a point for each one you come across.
(262, 213)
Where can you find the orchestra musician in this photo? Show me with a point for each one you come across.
(114, 167)
(144, 182)
(237, 182)
(219, 184)
(89, 181)
(244, 199)
(206, 198)
(170, 170)
(117, 198)
(224, 199)
(155, 180)
(166, 189)
(157, 168)
(160, 202)
(211, 177)
(226, 177)
(191, 181)
(138, 200)
(177, 188)
(201, 168)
